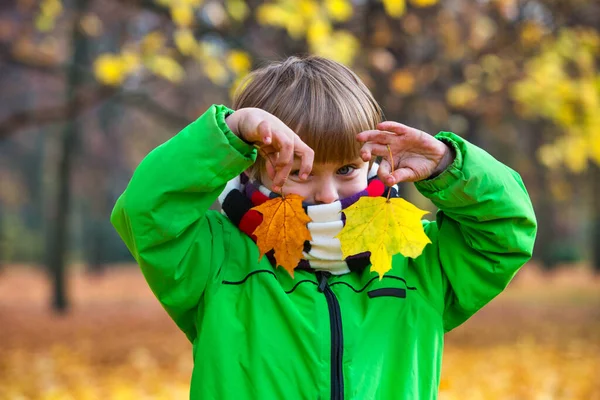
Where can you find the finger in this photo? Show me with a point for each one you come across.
(269, 165)
(264, 132)
(395, 127)
(384, 173)
(283, 163)
(307, 156)
(404, 175)
(368, 150)
(367, 136)
(381, 137)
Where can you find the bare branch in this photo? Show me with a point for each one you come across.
(57, 114)
(53, 114)
(8, 58)
(144, 103)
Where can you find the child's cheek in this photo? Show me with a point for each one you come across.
(293, 185)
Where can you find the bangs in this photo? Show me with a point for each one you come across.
(325, 103)
(329, 125)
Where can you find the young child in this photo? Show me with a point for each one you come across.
(334, 330)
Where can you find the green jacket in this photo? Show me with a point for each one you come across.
(257, 333)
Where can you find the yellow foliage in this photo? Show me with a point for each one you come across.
(318, 31)
(423, 3)
(109, 69)
(531, 33)
(152, 43)
(385, 228)
(44, 23)
(562, 86)
(239, 62)
(295, 28)
(237, 9)
(575, 149)
(215, 71)
(130, 61)
(461, 95)
(307, 9)
(237, 85)
(271, 14)
(185, 41)
(171, 3)
(51, 7)
(394, 8)
(49, 12)
(402, 82)
(209, 49)
(166, 67)
(341, 46)
(310, 19)
(291, 16)
(182, 15)
(339, 10)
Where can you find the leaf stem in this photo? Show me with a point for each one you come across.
(273, 165)
(392, 164)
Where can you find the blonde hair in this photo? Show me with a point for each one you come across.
(323, 101)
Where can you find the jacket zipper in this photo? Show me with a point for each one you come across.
(337, 338)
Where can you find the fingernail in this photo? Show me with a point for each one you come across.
(276, 188)
(304, 176)
(267, 140)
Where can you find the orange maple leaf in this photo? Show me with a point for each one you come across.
(283, 229)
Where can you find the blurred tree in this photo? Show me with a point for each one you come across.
(58, 234)
(561, 84)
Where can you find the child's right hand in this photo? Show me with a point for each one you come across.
(276, 141)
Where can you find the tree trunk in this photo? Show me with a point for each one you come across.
(545, 205)
(103, 167)
(58, 234)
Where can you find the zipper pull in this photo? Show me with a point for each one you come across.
(322, 277)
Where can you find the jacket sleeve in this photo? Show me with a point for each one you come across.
(162, 215)
(486, 228)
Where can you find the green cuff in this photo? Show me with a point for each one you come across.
(242, 147)
(450, 174)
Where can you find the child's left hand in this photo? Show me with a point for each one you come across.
(416, 154)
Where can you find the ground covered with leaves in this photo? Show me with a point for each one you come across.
(538, 340)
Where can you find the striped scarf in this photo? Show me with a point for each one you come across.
(323, 252)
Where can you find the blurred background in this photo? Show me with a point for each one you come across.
(88, 87)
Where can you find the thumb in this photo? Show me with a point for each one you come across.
(404, 175)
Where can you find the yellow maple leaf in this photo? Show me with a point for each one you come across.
(384, 228)
(283, 229)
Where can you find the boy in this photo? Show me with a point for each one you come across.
(334, 330)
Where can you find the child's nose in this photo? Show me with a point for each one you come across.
(326, 193)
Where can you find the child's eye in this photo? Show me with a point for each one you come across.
(346, 170)
(295, 172)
